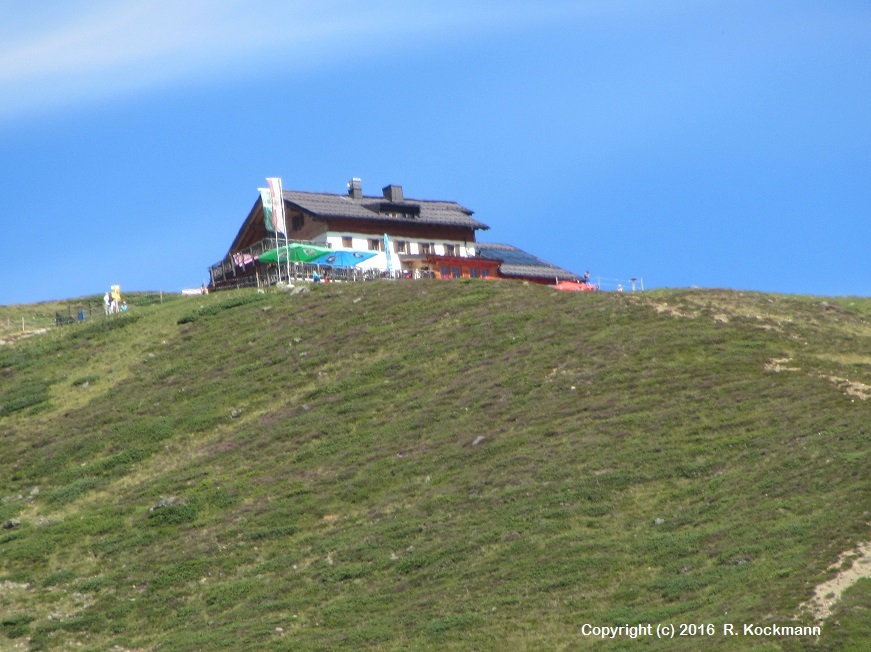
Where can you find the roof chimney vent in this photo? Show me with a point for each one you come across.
(392, 193)
(355, 188)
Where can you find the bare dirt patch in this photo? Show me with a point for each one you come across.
(779, 364)
(829, 592)
(11, 338)
(673, 311)
(853, 388)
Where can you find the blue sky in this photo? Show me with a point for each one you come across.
(687, 142)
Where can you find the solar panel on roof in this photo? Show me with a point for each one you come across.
(514, 256)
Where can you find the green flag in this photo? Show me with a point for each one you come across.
(266, 200)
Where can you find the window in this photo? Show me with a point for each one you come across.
(347, 241)
(400, 246)
(485, 273)
(297, 222)
(376, 244)
(474, 272)
(426, 248)
(449, 250)
(445, 271)
(456, 272)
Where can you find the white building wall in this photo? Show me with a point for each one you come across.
(360, 242)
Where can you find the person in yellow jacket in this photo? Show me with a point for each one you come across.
(116, 298)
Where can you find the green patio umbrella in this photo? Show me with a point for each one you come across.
(295, 252)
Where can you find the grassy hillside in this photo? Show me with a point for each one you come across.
(433, 466)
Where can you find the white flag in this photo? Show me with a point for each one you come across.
(278, 221)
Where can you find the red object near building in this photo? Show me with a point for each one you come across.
(572, 286)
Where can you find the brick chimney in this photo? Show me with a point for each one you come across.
(392, 193)
(355, 188)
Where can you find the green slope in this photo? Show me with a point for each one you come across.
(433, 465)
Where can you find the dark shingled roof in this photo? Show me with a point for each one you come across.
(417, 211)
(518, 263)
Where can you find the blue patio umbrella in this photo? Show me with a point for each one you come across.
(343, 258)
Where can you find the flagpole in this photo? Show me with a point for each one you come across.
(277, 243)
(287, 247)
(284, 222)
(278, 256)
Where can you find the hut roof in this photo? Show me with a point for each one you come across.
(517, 263)
(414, 211)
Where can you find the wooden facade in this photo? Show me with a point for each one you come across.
(445, 267)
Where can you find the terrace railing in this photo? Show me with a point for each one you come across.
(240, 269)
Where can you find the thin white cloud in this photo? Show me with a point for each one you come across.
(94, 51)
(112, 49)
(118, 35)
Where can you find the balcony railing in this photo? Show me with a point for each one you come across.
(241, 269)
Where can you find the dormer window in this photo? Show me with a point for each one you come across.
(399, 211)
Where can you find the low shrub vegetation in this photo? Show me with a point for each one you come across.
(434, 466)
